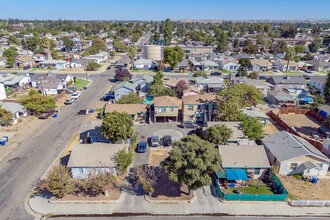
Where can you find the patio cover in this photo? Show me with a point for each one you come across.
(236, 174)
(220, 175)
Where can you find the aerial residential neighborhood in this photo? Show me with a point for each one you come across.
(142, 110)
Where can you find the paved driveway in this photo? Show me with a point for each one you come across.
(145, 132)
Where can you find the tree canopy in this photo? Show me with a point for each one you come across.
(131, 98)
(93, 66)
(173, 55)
(122, 74)
(117, 126)
(218, 134)
(37, 103)
(191, 162)
(6, 117)
(252, 127)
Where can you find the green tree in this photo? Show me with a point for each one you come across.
(222, 42)
(10, 54)
(93, 66)
(68, 43)
(117, 126)
(191, 162)
(253, 75)
(245, 62)
(131, 98)
(326, 91)
(13, 40)
(299, 48)
(173, 55)
(123, 160)
(59, 181)
(252, 127)
(99, 44)
(232, 99)
(218, 134)
(289, 55)
(251, 49)
(6, 117)
(157, 90)
(132, 51)
(242, 71)
(37, 103)
(168, 28)
(119, 46)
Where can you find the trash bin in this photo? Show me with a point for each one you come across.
(85, 88)
(315, 180)
(55, 115)
(3, 142)
(91, 110)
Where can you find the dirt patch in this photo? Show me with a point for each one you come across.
(303, 190)
(156, 156)
(305, 125)
(271, 128)
(166, 189)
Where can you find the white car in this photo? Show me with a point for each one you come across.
(75, 95)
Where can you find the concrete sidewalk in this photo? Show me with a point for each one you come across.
(203, 203)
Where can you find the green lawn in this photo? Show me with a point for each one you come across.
(80, 83)
(253, 188)
(293, 73)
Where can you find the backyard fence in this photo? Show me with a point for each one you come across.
(294, 110)
(310, 203)
(277, 187)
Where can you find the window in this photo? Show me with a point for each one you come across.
(293, 166)
(190, 107)
(80, 170)
(172, 109)
(161, 109)
(257, 171)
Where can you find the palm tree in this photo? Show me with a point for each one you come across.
(289, 55)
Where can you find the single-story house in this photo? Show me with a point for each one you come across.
(14, 81)
(137, 111)
(123, 88)
(165, 109)
(230, 65)
(184, 65)
(3, 61)
(24, 52)
(142, 82)
(54, 64)
(260, 65)
(209, 84)
(51, 88)
(282, 65)
(191, 90)
(251, 158)
(23, 61)
(264, 87)
(294, 155)
(17, 109)
(319, 65)
(280, 98)
(209, 65)
(144, 64)
(195, 65)
(256, 113)
(199, 108)
(287, 82)
(91, 159)
(38, 58)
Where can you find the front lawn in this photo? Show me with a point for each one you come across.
(80, 83)
(253, 188)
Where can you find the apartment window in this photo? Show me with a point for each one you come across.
(293, 166)
(257, 171)
(162, 110)
(190, 107)
(172, 109)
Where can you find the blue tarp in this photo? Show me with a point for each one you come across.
(236, 174)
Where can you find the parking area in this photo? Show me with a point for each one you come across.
(146, 131)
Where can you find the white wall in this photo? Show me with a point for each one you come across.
(83, 173)
(2, 92)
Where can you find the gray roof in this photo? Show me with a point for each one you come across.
(208, 63)
(144, 77)
(287, 79)
(54, 62)
(280, 95)
(209, 80)
(250, 156)
(10, 79)
(13, 107)
(285, 146)
(256, 113)
(124, 84)
(144, 62)
(94, 155)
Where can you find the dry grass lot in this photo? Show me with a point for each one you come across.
(270, 128)
(156, 156)
(304, 124)
(302, 190)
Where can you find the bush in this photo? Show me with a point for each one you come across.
(200, 73)
(59, 181)
(123, 160)
(93, 66)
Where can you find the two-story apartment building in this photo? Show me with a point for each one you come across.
(199, 108)
(165, 109)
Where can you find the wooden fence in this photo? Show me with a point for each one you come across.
(294, 110)
(318, 145)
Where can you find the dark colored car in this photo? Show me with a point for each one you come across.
(167, 141)
(263, 77)
(109, 67)
(108, 96)
(188, 124)
(46, 115)
(141, 147)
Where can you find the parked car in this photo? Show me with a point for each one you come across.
(155, 141)
(167, 141)
(141, 147)
(46, 115)
(109, 67)
(73, 88)
(69, 101)
(188, 124)
(108, 96)
(75, 95)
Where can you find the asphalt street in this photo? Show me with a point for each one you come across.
(32, 158)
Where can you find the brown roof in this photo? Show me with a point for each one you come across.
(131, 109)
(166, 101)
(171, 82)
(2, 58)
(260, 62)
(192, 89)
(24, 59)
(229, 61)
(198, 99)
(291, 63)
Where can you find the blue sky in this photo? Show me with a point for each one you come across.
(162, 9)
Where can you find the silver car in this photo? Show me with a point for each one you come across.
(155, 141)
